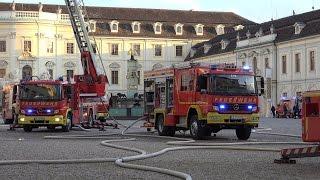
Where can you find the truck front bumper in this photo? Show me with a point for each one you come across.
(233, 119)
(57, 120)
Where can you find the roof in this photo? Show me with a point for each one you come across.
(284, 28)
(125, 16)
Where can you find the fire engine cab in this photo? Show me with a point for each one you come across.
(203, 98)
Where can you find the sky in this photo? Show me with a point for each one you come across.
(255, 10)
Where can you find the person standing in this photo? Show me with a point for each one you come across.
(273, 110)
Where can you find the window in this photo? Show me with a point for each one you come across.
(114, 26)
(178, 28)
(179, 51)
(50, 47)
(255, 65)
(92, 25)
(135, 27)
(284, 64)
(2, 73)
(139, 76)
(297, 62)
(114, 77)
(199, 29)
(136, 49)
(312, 61)
(157, 50)
(27, 46)
(157, 27)
(51, 73)
(186, 82)
(69, 74)
(266, 62)
(114, 49)
(70, 48)
(220, 29)
(3, 46)
(298, 26)
(243, 63)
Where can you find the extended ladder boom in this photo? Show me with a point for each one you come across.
(82, 37)
(93, 82)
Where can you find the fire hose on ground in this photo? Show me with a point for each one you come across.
(184, 144)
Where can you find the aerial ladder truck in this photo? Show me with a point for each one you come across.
(53, 103)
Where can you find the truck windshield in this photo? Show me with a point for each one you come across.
(232, 84)
(40, 92)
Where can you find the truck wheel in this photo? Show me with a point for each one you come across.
(27, 128)
(243, 133)
(164, 130)
(198, 130)
(51, 128)
(68, 125)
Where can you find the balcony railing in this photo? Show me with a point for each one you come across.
(34, 15)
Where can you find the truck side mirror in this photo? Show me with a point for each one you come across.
(260, 85)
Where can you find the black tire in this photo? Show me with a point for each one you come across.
(243, 133)
(27, 128)
(164, 130)
(51, 128)
(198, 130)
(68, 125)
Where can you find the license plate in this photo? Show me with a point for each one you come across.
(235, 117)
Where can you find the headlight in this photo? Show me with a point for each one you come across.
(56, 119)
(22, 119)
(254, 108)
(216, 108)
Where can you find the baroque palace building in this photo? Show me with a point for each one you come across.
(38, 40)
(285, 51)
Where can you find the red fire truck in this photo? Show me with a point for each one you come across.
(203, 98)
(59, 103)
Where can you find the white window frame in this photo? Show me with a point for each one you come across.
(157, 24)
(134, 50)
(220, 29)
(73, 48)
(92, 22)
(5, 45)
(111, 49)
(298, 26)
(161, 53)
(197, 27)
(24, 49)
(176, 26)
(135, 23)
(181, 50)
(50, 46)
(112, 23)
(112, 77)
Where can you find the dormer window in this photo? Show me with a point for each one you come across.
(199, 29)
(157, 27)
(92, 25)
(298, 26)
(135, 27)
(238, 27)
(179, 29)
(206, 48)
(114, 26)
(224, 44)
(220, 29)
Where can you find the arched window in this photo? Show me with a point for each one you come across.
(26, 72)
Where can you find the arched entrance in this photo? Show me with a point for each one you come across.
(26, 71)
